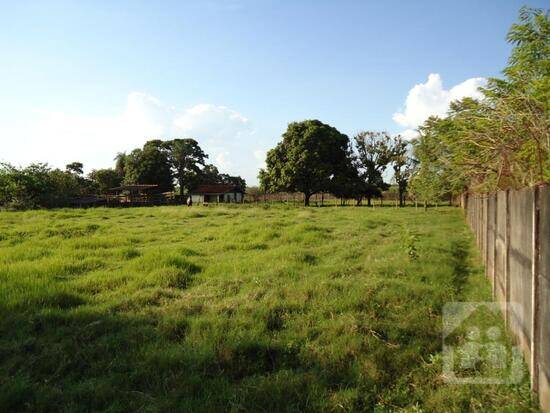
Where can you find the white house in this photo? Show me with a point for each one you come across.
(217, 193)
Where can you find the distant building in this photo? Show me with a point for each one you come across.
(217, 193)
(140, 193)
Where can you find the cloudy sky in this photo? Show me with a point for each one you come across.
(83, 80)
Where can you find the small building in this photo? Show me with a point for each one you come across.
(217, 193)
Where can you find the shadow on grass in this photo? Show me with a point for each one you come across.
(77, 360)
(460, 254)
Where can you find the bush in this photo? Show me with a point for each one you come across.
(38, 186)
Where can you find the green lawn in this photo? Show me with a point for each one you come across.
(236, 309)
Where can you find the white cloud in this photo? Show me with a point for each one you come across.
(430, 98)
(215, 122)
(409, 134)
(59, 138)
(223, 160)
(222, 133)
(260, 155)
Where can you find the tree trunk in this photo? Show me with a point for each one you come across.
(368, 200)
(180, 182)
(425, 205)
(306, 199)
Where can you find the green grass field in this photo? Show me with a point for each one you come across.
(240, 308)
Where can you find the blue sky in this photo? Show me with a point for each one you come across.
(81, 80)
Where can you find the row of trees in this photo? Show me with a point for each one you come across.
(41, 186)
(165, 162)
(169, 163)
(314, 157)
(501, 141)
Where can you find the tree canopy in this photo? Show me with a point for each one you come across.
(310, 154)
(158, 162)
(186, 158)
(501, 141)
(497, 142)
(374, 153)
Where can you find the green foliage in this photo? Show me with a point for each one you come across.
(402, 165)
(162, 162)
(38, 186)
(170, 309)
(239, 182)
(158, 162)
(149, 165)
(436, 175)
(120, 161)
(104, 179)
(186, 158)
(502, 141)
(307, 162)
(211, 175)
(347, 183)
(310, 154)
(76, 168)
(374, 153)
(529, 63)
(410, 240)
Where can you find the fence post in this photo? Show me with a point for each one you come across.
(507, 262)
(480, 226)
(486, 235)
(535, 293)
(495, 232)
(479, 221)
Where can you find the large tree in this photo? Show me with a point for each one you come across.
(503, 140)
(149, 165)
(238, 181)
(347, 182)
(436, 173)
(186, 158)
(208, 175)
(104, 179)
(309, 156)
(374, 153)
(402, 166)
(120, 164)
(211, 175)
(76, 168)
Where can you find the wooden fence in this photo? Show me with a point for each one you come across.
(512, 231)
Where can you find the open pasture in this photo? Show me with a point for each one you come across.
(236, 309)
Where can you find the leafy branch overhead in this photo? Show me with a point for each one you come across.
(502, 141)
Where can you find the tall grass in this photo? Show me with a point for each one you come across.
(235, 309)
